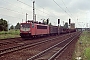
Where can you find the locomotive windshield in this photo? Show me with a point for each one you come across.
(25, 25)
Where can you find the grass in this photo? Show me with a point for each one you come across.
(83, 46)
(14, 32)
(9, 34)
(87, 53)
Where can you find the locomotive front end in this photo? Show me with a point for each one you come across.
(25, 31)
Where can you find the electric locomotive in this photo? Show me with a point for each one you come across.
(32, 29)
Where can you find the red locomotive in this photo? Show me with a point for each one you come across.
(31, 29)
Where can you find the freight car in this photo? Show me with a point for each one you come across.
(53, 30)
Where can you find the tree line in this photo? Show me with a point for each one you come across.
(4, 25)
(15, 27)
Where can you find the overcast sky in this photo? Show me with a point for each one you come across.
(77, 10)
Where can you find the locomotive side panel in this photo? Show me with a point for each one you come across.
(33, 29)
(42, 29)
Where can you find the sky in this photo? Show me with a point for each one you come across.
(78, 11)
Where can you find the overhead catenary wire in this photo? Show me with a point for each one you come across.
(10, 16)
(24, 3)
(45, 10)
(15, 11)
(61, 8)
(23, 8)
(36, 8)
(11, 10)
(49, 15)
(66, 8)
(14, 5)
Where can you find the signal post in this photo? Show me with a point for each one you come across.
(58, 25)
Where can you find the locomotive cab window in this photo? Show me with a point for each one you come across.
(41, 27)
(25, 25)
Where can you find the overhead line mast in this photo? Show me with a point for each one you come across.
(34, 12)
(26, 17)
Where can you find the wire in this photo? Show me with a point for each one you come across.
(46, 10)
(66, 7)
(14, 6)
(35, 8)
(11, 16)
(61, 7)
(24, 3)
(12, 10)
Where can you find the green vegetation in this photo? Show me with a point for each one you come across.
(17, 26)
(66, 25)
(12, 27)
(87, 53)
(12, 30)
(3, 25)
(9, 34)
(83, 46)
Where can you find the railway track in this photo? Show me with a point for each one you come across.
(10, 41)
(52, 52)
(27, 50)
(5, 44)
(23, 46)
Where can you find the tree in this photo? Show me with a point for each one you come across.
(17, 26)
(3, 25)
(12, 27)
(66, 25)
(50, 24)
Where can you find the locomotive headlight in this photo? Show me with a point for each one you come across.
(21, 25)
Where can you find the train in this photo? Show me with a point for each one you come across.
(31, 29)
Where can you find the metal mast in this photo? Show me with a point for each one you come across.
(33, 11)
(26, 17)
